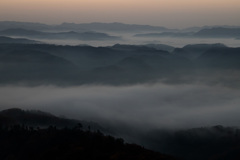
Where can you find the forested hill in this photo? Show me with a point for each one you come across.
(23, 142)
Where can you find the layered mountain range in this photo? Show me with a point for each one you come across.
(118, 64)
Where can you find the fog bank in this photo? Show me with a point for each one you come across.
(145, 106)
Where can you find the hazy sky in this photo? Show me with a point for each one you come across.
(169, 13)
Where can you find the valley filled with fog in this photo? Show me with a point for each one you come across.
(129, 39)
(137, 83)
(143, 107)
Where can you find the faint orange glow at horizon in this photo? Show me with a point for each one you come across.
(117, 4)
(56, 11)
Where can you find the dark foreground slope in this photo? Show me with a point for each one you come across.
(36, 118)
(15, 116)
(19, 142)
(23, 142)
(211, 143)
(22, 139)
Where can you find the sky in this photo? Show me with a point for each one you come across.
(168, 13)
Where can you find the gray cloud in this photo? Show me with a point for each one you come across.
(154, 106)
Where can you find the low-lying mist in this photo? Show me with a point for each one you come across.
(139, 106)
(131, 40)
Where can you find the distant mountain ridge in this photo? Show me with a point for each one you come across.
(101, 31)
(26, 25)
(8, 40)
(166, 34)
(115, 26)
(112, 26)
(80, 27)
(20, 32)
(214, 32)
(219, 32)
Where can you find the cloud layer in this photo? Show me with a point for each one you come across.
(153, 106)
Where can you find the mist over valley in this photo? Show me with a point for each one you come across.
(168, 90)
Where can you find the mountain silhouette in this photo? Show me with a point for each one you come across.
(193, 51)
(39, 135)
(166, 34)
(83, 27)
(219, 32)
(56, 35)
(117, 64)
(8, 40)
